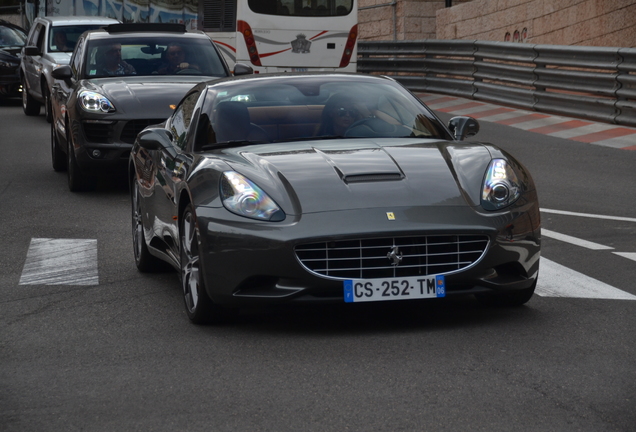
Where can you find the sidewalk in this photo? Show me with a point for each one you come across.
(586, 131)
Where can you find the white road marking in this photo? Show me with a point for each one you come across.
(595, 216)
(574, 240)
(556, 280)
(628, 255)
(61, 262)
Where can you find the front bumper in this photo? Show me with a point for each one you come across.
(103, 146)
(247, 261)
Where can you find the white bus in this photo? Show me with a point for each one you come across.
(284, 35)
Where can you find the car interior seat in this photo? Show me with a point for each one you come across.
(232, 123)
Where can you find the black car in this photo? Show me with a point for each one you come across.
(121, 79)
(12, 39)
(328, 187)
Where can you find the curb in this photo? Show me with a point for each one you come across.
(603, 134)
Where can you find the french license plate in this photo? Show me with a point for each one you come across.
(366, 290)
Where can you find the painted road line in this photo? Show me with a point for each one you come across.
(573, 240)
(588, 215)
(61, 262)
(625, 143)
(628, 255)
(556, 280)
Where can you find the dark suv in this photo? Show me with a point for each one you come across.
(121, 79)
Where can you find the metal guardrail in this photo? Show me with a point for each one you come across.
(594, 83)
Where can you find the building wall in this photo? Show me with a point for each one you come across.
(406, 20)
(610, 23)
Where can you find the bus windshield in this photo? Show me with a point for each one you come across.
(304, 8)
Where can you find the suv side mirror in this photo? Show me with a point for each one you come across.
(242, 69)
(32, 51)
(463, 127)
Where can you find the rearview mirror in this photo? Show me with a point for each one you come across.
(62, 72)
(242, 69)
(463, 127)
(32, 51)
(154, 139)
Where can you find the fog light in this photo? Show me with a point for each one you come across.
(97, 154)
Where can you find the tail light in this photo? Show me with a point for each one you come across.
(245, 29)
(349, 46)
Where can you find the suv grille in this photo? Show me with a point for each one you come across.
(369, 258)
(133, 127)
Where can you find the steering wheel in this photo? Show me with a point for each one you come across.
(370, 127)
(189, 72)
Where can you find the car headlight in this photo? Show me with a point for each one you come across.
(241, 196)
(95, 102)
(501, 186)
(8, 64)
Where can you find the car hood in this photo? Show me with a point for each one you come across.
(60, 58)
(142, 97)
(365, 173)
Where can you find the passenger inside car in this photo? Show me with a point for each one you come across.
(110, 63)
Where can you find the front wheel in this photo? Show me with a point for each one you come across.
(143, 259)
(57, 154)
(47, 104)
(77, 181)
(199, 306)
(30, 106)
(507, 299)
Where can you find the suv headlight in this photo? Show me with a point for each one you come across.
(501, 186)
(95, 102)
(241, 196)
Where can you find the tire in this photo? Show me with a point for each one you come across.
(507, 299)
(77, 181)
(58, 157)
(145, 262)
(199, 307)
(47, 103)
(30, 106)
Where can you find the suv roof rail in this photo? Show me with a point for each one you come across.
(148, 27)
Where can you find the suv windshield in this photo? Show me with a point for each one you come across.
(152, 56)
(64, 38)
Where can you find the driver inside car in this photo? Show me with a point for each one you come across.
(338, 115)
(174, 60)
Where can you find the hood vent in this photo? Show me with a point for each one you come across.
(366, 178)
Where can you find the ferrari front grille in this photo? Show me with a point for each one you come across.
(133, 127)
(392, 257)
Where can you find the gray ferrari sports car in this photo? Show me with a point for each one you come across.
(328, 187)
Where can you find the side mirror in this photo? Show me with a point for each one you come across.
(242, 69)
(32, 51)
(62, 72)
(463, 127)
(155, 139)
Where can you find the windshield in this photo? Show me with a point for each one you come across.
(313, 107)
(10, 37)
(64, 38)
(309, 8)
(156, 56)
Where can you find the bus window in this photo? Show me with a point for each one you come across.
(305, 8)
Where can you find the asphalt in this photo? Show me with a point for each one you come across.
(585, 131)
